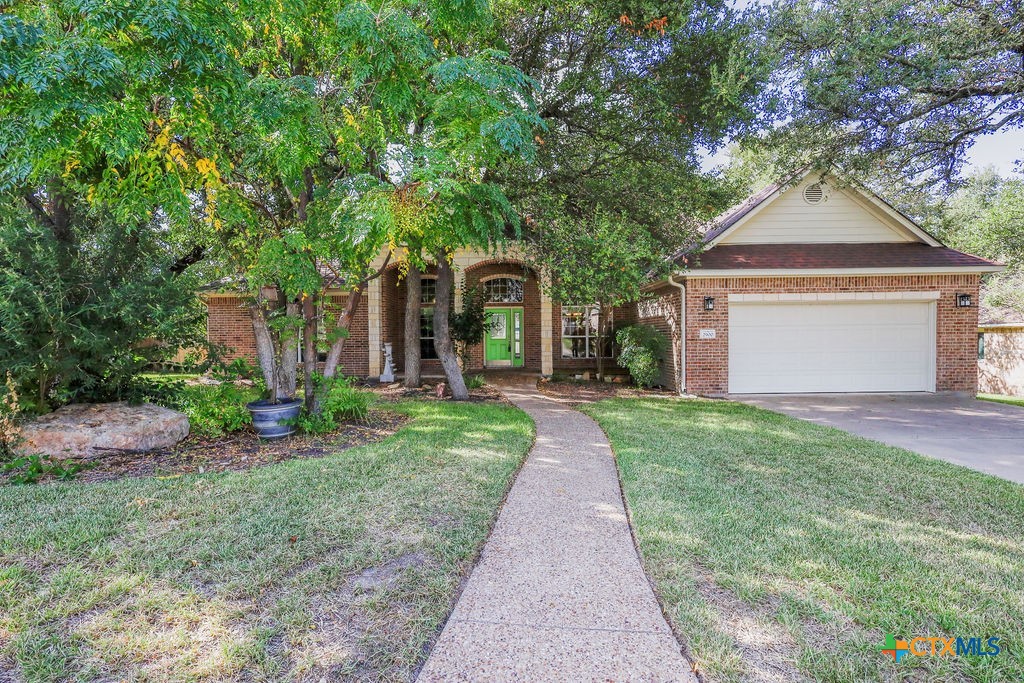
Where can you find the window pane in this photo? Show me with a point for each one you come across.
(427, 333)
(428, 291)
(427, 323)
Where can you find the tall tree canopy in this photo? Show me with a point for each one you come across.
(294, 141)
(630, 95)
(897, 86)
(986, 217)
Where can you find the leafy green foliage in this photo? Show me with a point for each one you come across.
(641, 347)
(896, 86)
(468, 326)
(475, 381)
(340, 400)
(213, 410)
(80, 316)
(294, 141)
(29, 469)
(629, 95)
(986, 218)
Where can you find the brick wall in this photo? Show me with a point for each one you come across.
(707, 360)
(228, 324)
(661, 311)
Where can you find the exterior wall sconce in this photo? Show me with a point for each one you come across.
(709, 303)
(963, 300)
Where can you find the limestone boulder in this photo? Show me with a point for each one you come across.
(90, 430)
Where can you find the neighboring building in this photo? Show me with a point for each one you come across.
(1001, 352)
(807, 287)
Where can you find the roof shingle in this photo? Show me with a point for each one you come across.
(831, 256)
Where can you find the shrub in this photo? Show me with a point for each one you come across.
(10, 420)
(213, 410)
(641, 346)
(79, 313)
(474, 381)
(339, 400)
(29, 469)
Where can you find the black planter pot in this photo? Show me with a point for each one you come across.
(274, 420)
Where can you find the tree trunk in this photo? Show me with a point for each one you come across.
(265, 352)
(442, 336)
(276, 356)
(309, 330)
(413, 289)
(289, 363)
(601, 340)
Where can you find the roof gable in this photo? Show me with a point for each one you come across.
(781, 215)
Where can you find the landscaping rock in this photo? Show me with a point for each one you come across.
(88, 430)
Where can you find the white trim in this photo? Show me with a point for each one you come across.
(845, 272)
(832, 297)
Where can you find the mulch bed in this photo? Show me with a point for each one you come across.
(579, 392)
(238, 452)
(397, 392)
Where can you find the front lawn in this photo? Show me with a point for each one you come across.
(337, 567)
(782, 548)
(999, 398)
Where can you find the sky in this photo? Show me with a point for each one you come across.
(1001, 149)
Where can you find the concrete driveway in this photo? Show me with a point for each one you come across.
(982, 435)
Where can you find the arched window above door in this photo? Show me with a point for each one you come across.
(503, 290)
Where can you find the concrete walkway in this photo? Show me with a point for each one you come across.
(559, 593)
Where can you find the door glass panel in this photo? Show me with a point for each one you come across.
(498, 326)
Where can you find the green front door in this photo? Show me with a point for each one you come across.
(503, 342)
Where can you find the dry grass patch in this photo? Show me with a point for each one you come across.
(339, 567)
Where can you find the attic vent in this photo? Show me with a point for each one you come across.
(814, 194)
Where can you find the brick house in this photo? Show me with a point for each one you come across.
(811, 286)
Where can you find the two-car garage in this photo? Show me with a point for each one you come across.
(855, 345)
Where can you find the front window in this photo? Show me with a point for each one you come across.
(504, 290)
(581, 332)
(321, 340)
(428, 297)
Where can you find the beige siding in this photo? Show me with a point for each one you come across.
(839, 218)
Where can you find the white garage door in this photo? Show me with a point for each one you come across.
(831, 347)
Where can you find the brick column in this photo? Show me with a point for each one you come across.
(546, 336)
(373, 341)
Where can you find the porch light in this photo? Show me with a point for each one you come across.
(709, 303)
(963, 300)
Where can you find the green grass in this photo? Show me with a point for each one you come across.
(170, 376)
(339, 567)
(768, 536)
(998, 398)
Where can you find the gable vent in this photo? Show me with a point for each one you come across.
(814, 194)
